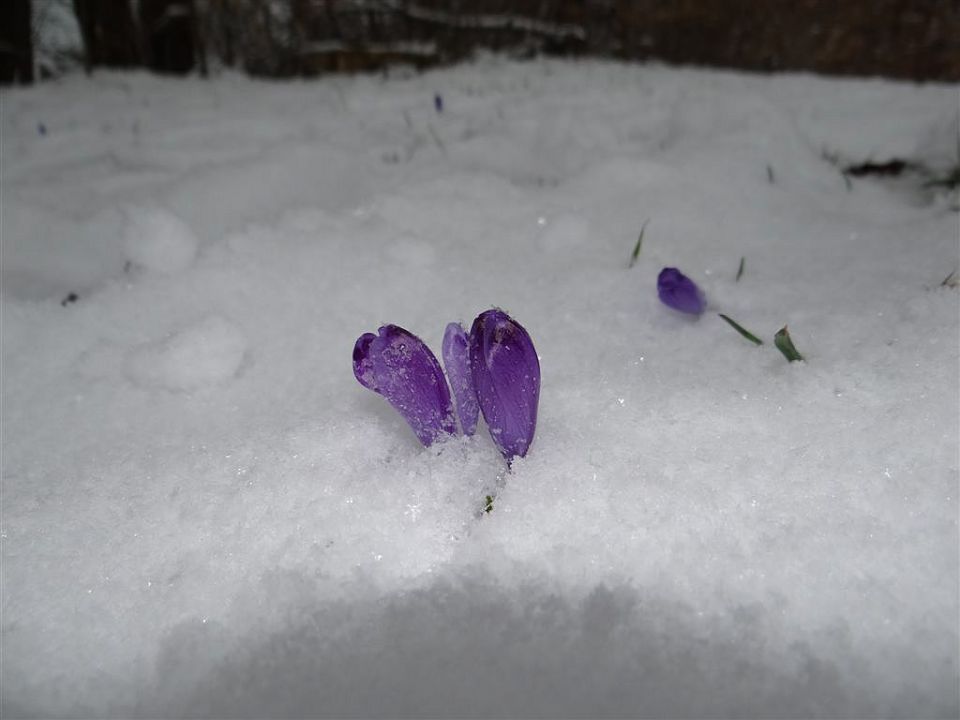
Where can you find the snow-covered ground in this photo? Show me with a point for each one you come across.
(203, 512)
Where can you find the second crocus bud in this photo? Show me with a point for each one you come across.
(506, 378)
(681, 293)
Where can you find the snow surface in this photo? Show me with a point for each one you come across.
(158, 240)
(204, 514)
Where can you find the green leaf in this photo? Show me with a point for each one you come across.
(436, 139)
(949, 180)
(488, 504)
(785, 345)
(636, 248)
(743, 261)
(743, 331)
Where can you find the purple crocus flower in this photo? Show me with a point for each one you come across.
(456, 359)
(398, 365)
(680, 292)
(506, 377)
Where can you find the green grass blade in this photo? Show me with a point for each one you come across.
(743, 261)
(743, 331)
(636, 248)
(785, 345)
(436, 139)
(949, 180)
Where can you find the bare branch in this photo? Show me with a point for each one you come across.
(422, 49)
(471, 22)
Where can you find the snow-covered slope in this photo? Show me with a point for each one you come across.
(203, 513)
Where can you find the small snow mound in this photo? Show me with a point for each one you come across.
(207, 353)
(158, 240)
(564, 232)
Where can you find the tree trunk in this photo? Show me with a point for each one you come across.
(170, 35)
(109, 33)
(16, 42)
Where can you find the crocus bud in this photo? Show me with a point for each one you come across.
(398, 365)
(456, 360)
(681, 293)
(506, 377)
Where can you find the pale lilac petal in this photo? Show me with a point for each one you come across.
(456, 360)
(678, 291)
(506, 376)
(398, 365)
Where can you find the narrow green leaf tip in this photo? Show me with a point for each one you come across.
(636, 248)
(743, 262)
(785, 345)
(743, 331)
(436, 139)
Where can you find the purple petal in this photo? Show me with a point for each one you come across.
(362, 365)
(456, 359)
(506, 375)
(680, 292)
(398, 365)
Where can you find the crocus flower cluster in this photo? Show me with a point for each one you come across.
(681, 293)
(494, 370)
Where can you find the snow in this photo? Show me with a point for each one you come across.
(57, 45)
(204, 514)
(206, 353)
(158, 240)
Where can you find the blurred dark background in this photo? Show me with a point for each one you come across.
(907, 39)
